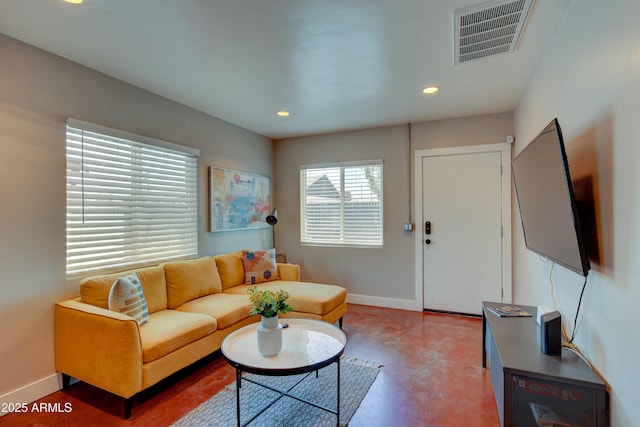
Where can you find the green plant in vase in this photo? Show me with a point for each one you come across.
(268, 303)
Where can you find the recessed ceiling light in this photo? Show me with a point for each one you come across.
(283, 113)
(431, 89)
(74, 1)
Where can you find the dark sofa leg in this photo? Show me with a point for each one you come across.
(340, 322)
(66, 381)
(128, 405)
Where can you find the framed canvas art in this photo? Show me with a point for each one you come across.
(238, 200)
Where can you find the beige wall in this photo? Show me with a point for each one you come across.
(38, 91)
(589, 78)
(372, 276)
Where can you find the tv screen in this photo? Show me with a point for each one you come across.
(547, 205)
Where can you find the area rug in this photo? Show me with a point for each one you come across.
(356, 377)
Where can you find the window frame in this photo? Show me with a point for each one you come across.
(155, 181)
(344, 241)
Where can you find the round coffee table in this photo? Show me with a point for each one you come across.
(307, 345)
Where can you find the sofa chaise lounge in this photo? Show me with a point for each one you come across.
(192, 306)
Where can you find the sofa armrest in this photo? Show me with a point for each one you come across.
(290, 272)
(98, 346)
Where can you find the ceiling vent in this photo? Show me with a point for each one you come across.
(488, 29)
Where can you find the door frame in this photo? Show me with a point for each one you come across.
(505, 154)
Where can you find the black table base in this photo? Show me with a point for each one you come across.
(282, 394)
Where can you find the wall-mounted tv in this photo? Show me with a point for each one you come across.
(547, 204)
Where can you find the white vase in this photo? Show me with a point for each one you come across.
(269, 336)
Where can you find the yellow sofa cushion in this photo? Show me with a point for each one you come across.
(169, 330)
(228, 309)
(95, 290)
(230, 269)
(304, 297)
(191, 279)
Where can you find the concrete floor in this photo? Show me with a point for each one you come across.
(432, 376)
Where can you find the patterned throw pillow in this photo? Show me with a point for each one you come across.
(126, 297)
(259, 266)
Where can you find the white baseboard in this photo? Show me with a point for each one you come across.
(401, 304)
(34, 391)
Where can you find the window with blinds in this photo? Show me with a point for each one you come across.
(131, 200)
(341, 204)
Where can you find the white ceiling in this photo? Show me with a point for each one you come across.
(335, 64)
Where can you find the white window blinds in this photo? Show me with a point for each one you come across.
(131, 200)
(341, 205)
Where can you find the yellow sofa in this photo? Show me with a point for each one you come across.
(192, 306)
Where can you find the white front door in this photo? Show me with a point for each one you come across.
(462, 227)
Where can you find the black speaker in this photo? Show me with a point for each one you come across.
(551, 333)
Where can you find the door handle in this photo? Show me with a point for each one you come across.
(428, 241)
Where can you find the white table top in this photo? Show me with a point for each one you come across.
(305, 343)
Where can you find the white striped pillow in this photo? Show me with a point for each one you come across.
(126, 297)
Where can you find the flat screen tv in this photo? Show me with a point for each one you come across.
(547, 203)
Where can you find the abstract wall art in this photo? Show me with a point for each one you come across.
(238, 200)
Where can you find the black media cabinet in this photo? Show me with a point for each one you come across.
(527, 381)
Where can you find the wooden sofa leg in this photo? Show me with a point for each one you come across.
(66, 381)
(128, 405)
(340, 322)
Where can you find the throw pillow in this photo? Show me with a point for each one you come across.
(259, 266)
(126, 297)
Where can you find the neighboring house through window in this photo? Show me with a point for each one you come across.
(341, 204)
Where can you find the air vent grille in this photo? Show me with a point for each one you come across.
(489, 29)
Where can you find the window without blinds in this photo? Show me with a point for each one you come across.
(341, 205)
(131, 200)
